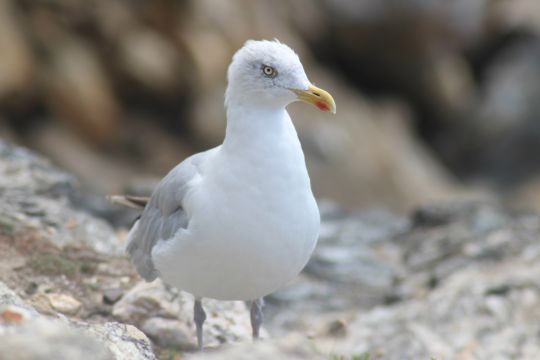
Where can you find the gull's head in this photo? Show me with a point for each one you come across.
(270, 74)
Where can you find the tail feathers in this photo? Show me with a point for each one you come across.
(135, 202)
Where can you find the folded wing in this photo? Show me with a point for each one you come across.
(163, 215)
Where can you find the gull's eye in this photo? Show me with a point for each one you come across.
(269, 71)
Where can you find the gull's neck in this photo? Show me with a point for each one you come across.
(251, 127)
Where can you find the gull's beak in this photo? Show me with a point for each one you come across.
(318, 97)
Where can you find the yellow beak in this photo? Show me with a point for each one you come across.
(318, 97)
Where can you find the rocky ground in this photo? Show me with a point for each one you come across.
(448, 281)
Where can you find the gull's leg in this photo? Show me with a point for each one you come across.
(199, 316)
(256, 316)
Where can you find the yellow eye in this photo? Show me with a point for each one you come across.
(269, 71)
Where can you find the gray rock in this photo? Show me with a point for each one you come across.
(290, 347)
(348, 250)
(470, 234)
(27, 335)
(125, 342)
(44, 339)
(25, 171)
(462, 318)
(168, 333)
(505, 121)
(166, 316)
(34, 197)
(111, 296)
(9, 298)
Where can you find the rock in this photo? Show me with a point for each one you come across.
(505, 118)
(64, 304)
(169, 333)
(70, 152)
(80, 94)
(23, 170)
(73, 340)
(55, 256)
(290, 347)
(337, 328)
(26, 334)
(147, 300)
(465, 288)
(159, 309)
(459, 318)
(35, 197)
(123, 341)
(33, 341)
(111, 296)
(379, 46)
(17, 65)
(14, 314)
(470, 234)
(348, 251)
(9, 299)
(151, 60)
(521, 14)
(52, 244)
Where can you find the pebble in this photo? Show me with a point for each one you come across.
(64, 303)
(158, 309)
(14, 314)
(111, 296)
(169, 333)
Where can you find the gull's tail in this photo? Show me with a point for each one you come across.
(135, 202)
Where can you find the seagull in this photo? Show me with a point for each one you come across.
(238, 221)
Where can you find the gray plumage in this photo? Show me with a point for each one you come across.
(163, 215)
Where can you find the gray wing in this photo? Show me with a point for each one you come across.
(163, 215)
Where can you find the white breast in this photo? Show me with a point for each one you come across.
(254, 224)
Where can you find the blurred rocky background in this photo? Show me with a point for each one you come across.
(438, 104)
(436, 99)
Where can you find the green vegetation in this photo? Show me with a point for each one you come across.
(6, 226)
(363, 356)
(169, 354)
(61, 264)
(52, 264)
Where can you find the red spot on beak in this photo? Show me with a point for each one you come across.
(322, 106)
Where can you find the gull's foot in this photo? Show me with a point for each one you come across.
(256, 317)
(199, 316)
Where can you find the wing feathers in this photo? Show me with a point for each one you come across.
(163, 214)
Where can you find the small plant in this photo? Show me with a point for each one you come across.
(363, 356)
(52, 264)
(6, 226)
(169, 354)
